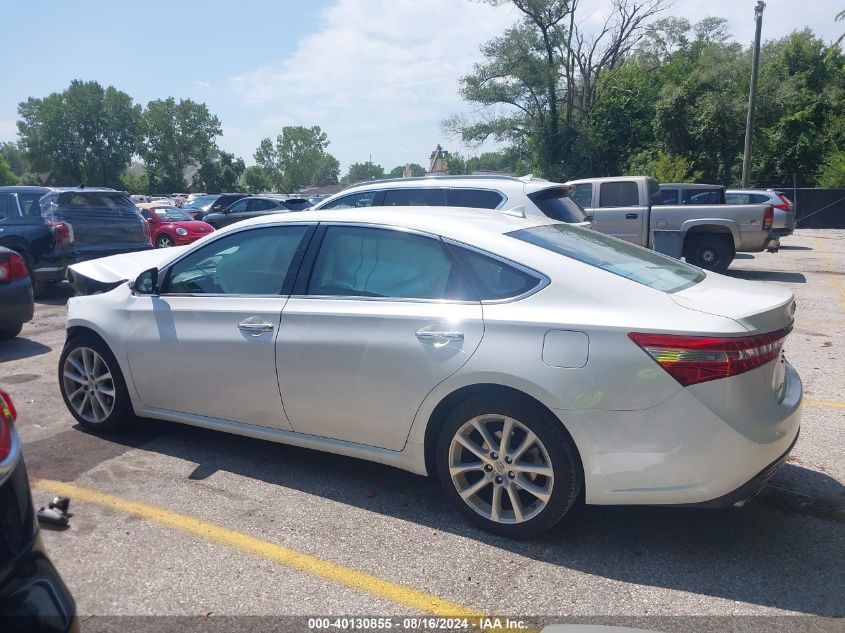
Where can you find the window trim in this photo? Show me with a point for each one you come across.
(287, 282)
(306, 269)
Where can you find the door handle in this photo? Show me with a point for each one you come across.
(439, 339)
(631, 216)
(255, 328)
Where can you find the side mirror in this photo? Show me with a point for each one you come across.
(146, 283)
(152, 220)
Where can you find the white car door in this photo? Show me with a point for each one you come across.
(385, 316)
(205, 344)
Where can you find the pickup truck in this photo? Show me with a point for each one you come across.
(708, 236)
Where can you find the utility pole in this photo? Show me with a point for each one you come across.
(752, 96)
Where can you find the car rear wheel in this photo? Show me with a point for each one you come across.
(10, 331)
(164, 241)
(92, 385)
(509, 466)
(710, 251)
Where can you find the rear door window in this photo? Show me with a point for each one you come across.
(703, 196)
(669, 196)
(475, 198)
(557, 204)
(615, 256)
(352, 201)
(28, 203)
(619, 194)
(415, 198)
(238, 207)
(737, 198)
(8, 206)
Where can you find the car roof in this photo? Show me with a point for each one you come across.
(25, 189)
(528, 183)
(452, 222)
(690, 185)
(769, 191)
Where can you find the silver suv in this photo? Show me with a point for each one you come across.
(532, 197)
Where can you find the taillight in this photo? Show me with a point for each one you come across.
(13, 268)
(694, 359)
(7, 417)
(768, 216)
(785, 204)
(62, 233)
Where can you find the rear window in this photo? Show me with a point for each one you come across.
(615, 256)
(557, 204)
(619, 194)
(93, 200)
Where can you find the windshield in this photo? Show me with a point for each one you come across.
(613, 255)
(171, 214)
(557, 204)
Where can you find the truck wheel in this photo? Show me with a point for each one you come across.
(709, 251)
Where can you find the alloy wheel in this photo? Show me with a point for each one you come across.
(165, 242)
(88, 384)
(501, 469)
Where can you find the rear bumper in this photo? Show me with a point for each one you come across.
(16, 304)
(53, 267)
(710, 443)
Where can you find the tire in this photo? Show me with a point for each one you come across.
(96, 416)
(710, 251)
(10, 331)
(214, 225)
(164, 241)
(553, 449)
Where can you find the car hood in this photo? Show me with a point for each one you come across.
(194, 226)
(758, 307)
(117, 268)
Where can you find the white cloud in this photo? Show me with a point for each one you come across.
(203, 84)
(377, 75)
(8, 130)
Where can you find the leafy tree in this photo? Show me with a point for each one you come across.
(832, 172)
(399, 171)
(220, 174)
(359, 172)
(256, 180)
(663, 167)
(180, 137)
(7, 176)
(85, 134)
(135, 179)
(15, 155)
(298, 159)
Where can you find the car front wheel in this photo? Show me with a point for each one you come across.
(509, 466)
(92, 385)
(164, 241)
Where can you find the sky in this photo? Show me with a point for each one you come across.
(378, 76)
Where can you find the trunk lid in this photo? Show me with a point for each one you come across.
(758, 307)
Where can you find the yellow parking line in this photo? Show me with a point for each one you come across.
(824, 403)
(394, 592)
(838, 288)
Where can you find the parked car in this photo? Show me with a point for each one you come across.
(691, 193)
(199, 206)
(530, 196)
(522, 360)
(33, 596)
(16, 304)
(784, 221)
(54, 227)
(251, 207)
(708, 235)
(171, 226)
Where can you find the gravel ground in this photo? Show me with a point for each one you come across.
(780, 556)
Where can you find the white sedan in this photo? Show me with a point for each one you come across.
(522, 360)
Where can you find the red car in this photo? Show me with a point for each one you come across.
(170, 226)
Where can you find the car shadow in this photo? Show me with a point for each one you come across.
(768, 275)
(779, 551)
(789, 247)
(19, 348)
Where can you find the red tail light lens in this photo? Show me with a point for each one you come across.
(62, 233)
(13, 268)
(7, 417)
(785, 204)
(694, 359)
(768, 217)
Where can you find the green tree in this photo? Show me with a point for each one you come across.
(7, 176)
(220, 174)
(832, 171)
(16, 156)
(298, 159)
(663, 167)
(256, 180)
(399, 171)
(135, 179)
(85, 134)
(359, 172)
(179, 137)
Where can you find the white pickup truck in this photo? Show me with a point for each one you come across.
(628, 207)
